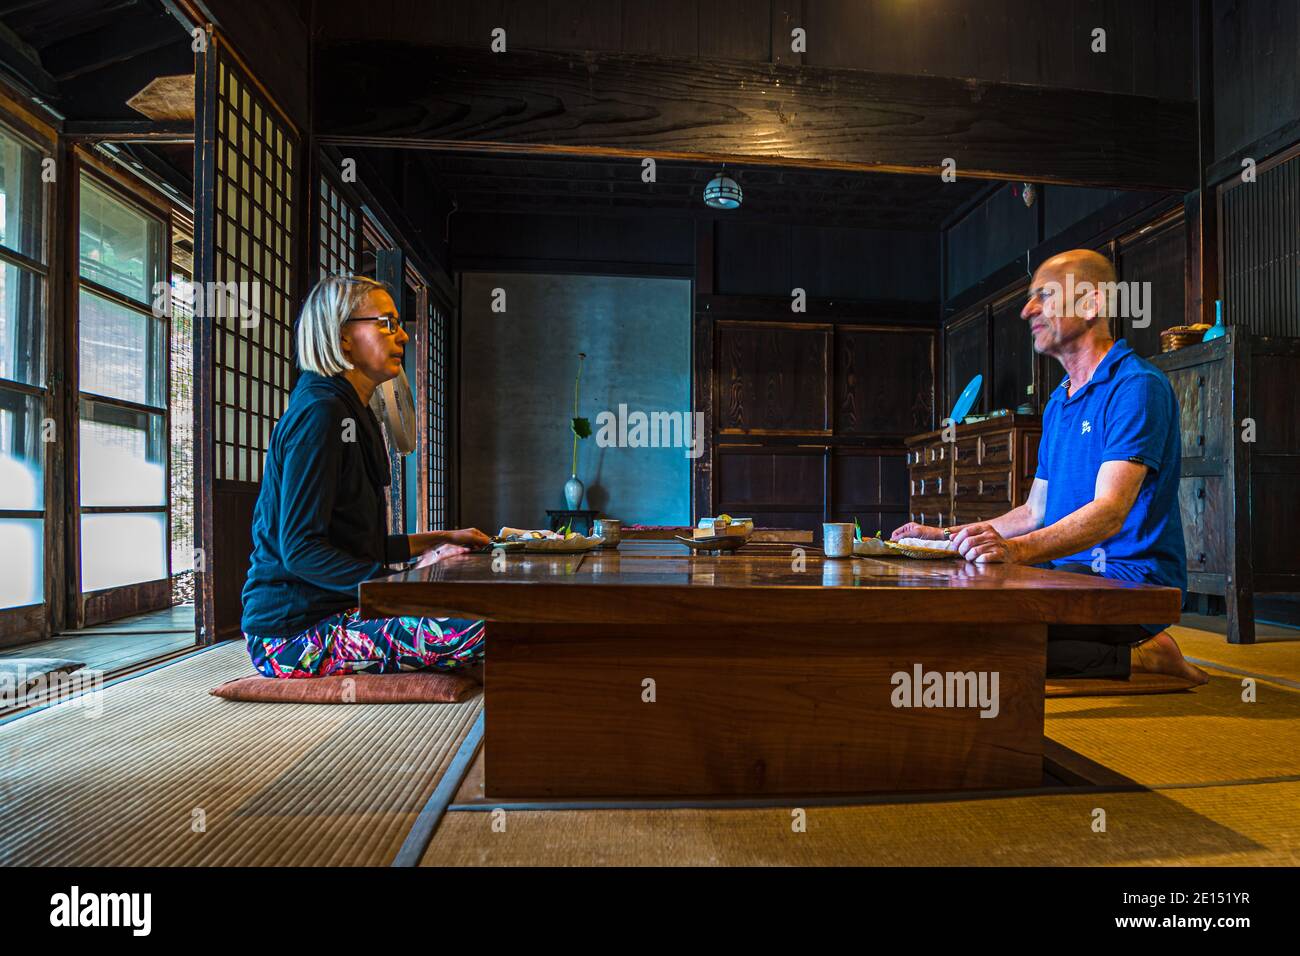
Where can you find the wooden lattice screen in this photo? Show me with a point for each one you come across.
(247, 169)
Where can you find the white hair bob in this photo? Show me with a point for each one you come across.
(330, 303)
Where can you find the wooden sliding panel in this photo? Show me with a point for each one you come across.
(884, 390)
(1157, 254)
(246, 223)
(772, 378)
(1012, 375)
(1259, 248)
(777, 486)
(884, 380)
(966, 347)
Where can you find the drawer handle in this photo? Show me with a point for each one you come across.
(1200, 440)
(1201, 557)
(1200, 492)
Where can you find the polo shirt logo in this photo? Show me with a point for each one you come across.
(1087, 427)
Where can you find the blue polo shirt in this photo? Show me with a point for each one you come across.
(1126, 412)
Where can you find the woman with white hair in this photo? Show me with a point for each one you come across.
(321, 524)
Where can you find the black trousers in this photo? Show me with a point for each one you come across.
(1091, 650)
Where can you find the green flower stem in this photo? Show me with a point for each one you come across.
(574, 469)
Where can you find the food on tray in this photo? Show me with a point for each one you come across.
(869, 546)
(723, 526)
(544, 540)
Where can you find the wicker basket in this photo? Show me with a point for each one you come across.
(1180, 336)
(925, 554)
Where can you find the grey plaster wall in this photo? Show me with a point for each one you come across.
(517, 394)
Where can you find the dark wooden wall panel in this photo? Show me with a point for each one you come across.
(826, 262)
(995, 232)
(1260, 250)
(631, 240)
(784, 478)
(884, 381)
(1256, 83)
(1013, 356)
(233, 504)
(772, 378)
(1160, 258)
(965, 356)
(753, 259)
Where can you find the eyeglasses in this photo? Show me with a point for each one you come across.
(389, 323)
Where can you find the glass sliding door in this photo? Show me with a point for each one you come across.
(123, 433)
(24, 396)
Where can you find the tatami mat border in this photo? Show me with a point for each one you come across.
(868, 799)
(426, 824)
(1284, 681)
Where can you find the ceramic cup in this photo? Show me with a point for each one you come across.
(611, 529)
(837, 540)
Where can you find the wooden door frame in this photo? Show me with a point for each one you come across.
(33, 621)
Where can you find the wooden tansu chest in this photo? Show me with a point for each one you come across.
(1239, 411)
(985, 471)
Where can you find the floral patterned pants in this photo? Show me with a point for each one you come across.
(346, 643)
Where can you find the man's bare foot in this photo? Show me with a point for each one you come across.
(1160, 655)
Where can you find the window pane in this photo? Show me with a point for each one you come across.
(22, 197)
(22, 542)
(22, 453)
(123, 455)
(121, 352)
(121, 248)
(22, 325)
(122, 549)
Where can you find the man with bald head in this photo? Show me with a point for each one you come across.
(1105, 495)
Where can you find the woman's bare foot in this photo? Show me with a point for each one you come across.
(1160, 655)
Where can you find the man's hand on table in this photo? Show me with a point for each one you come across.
(982, 544)
(914, 530)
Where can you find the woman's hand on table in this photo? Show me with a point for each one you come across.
(469, 538)
(434, 555)
(914, 530)
(982, 544)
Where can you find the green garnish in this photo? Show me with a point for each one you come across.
(857, 529)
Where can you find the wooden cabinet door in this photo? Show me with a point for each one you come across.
(1202, 409)
(773, 378)
(1205, 523)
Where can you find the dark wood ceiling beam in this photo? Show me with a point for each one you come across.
(124, 39)
(637, 106)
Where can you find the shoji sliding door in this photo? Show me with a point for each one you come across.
(246, 228)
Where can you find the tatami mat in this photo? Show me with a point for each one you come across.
(166, 774)
(1276, 651)
(1207, 735)
(1217, 826)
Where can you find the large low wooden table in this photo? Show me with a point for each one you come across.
(649, 671)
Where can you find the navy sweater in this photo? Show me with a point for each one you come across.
(320, 527)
